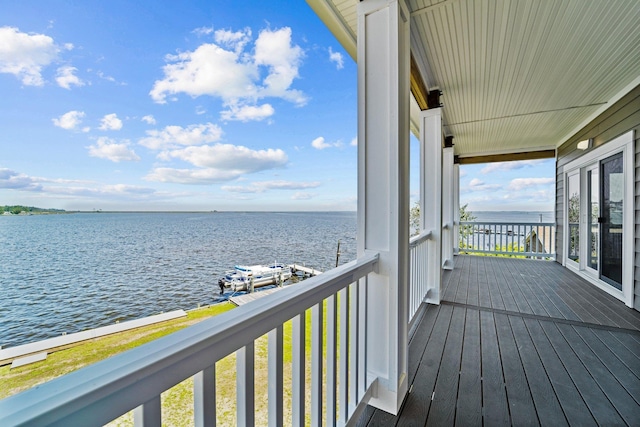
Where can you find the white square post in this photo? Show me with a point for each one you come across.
(431, 139)
(383, 191)
(456, 208)
(448, 202)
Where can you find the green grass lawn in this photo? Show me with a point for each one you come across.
(177, 402)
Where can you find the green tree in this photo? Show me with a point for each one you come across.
(465, 215)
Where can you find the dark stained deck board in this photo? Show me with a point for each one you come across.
(484, 296)
(442, 412)
(494, 397)
(596, 400)
(541, 281)
(418, 402)
(521, 407)
(626, 406)
(469, 401)
(473, 287)
(494, 285)
(574, 408)
(618, 369)
(532, 278)
(545, 400)
(520, 342)
(626, 348)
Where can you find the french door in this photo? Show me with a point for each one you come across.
(611, 225)
(598, 214)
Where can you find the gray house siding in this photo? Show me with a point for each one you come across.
(622, 117)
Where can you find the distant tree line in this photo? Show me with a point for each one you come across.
(18, 209)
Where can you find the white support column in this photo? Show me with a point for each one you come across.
(383, 190)
(447, 207)
(431, 196)
(456, 208)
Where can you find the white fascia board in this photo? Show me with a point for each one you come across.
(338, 27)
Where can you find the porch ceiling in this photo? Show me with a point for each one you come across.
(516, 75)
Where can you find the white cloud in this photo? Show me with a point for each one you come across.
(149, 119)
(320, 144)
(231, 157)
(25, 55)
(172, 137)
(209, 70)
(70, 120)
(521, 183)
(248, 112)
(235, 40)
(228, 69)
(217, 163)
(354, 142)
(13, 180)
(274, 50)
(337, 58)
(76, 189)
(302, 196)
(507, 166)
(106, 148)
(477, 185)
(262, 186)
(203, 31)
(66, 77)
(110, 122)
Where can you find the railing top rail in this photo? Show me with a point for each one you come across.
(123, 382)
(534, 224)
(423, 236)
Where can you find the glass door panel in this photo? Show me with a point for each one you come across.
(573, 216)
(612, 182)
(593, 227)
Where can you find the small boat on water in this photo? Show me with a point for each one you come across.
(243, 276)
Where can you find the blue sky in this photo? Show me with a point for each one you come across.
(156, 105)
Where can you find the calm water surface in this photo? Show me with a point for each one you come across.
(68, 273)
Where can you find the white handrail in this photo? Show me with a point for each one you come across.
(423, 236)
(101, 392)
(521, 239)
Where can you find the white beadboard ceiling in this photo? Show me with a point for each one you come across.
(516, 75)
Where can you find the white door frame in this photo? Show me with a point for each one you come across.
(622, 144)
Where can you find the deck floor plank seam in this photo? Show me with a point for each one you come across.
(516, 342)
(614, 365)
(546, 318)
(544, 397)
(596, 400)
(418, 402)
(445, 391)
(521, 407)
(575, 409)
(618, 396)
(469, 402)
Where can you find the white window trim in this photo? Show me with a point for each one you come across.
(621, 144)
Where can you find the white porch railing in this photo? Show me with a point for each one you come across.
(526, 240)
(418, 278)
(134, 380)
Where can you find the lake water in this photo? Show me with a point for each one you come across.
(68, 273)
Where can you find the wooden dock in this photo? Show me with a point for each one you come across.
(308, 271)
(248, 297)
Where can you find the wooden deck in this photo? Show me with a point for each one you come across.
(520, 342)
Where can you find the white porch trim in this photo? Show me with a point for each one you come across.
(431, 138)
(448, 202)
(383, 190)
(456, 208)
